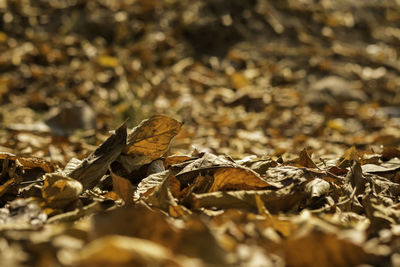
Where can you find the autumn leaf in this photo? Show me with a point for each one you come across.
(149, 141)
(123, 187)
(92, 168)
(58, 190)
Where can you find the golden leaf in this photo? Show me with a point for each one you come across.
(150, 140)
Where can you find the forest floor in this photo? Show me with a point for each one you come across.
(199, 133)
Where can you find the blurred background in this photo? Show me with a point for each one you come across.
(253, 77)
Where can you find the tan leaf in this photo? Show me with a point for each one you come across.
(30, 162)
(317, 187)
(150, 182)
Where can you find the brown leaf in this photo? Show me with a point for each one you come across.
(237, 179)
(119, 251)
(30, 162)
(149, 141)
(123, 187)
(150, 182)
(349, 155)
(389, 153)
(317, 249)
(304, 160)
(274, 201)
(226, 174)
(92, 168)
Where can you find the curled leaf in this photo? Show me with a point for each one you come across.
(59, 190)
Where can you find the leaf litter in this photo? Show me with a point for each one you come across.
(279, 145)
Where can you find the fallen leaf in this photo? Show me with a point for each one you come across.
(122, 251)
(123, 187)
(92, 168)
(149, 141)
(317, 187)
(237, 179)
(58, 190)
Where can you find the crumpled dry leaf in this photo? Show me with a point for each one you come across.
(226, 174)
(92, 168)
(349, 156)
(237, 179)
(317, 187)
(59, 190)
(150, 182)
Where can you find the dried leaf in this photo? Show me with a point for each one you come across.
(123, 187)
(327, 250)
(317, 187)
(149, 141)
(305, 160)
(58, 190)
(92, 168)
(274, 201)
(237, 179)
(349, 155)
(150, 182)
(121, 251)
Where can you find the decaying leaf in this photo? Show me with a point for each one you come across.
(161, 196)
(304, 160)
(30, 162)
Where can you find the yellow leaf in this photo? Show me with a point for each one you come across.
(108, 61)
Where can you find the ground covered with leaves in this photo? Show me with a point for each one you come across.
(199, 133)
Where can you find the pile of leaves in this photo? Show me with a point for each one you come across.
(288, 155)
(130, 203)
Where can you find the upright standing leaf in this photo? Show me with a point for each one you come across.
(92, 168)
